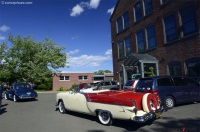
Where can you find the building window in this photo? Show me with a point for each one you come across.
(188, 20)
(64, 78)
(148, 6)
(164, 1)
(140, 41)
(128, 46)
(119, 25)
(82, 77)
(175, 68)
(193, 67)
(138, 11)
(151, 36)
(170, 28)
(126, 20)
(120, 49)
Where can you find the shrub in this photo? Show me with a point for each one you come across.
(61, 89)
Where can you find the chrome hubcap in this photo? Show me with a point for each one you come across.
(104, 116)
(169, 102)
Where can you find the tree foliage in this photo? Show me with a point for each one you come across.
(31, 61)
(101, 72)
(4, 71)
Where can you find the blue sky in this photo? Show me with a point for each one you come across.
(81, 26)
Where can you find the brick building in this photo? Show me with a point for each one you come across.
(66, 80)
(156, 37)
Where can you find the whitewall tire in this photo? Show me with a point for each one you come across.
(5, 97)
(61, 107)
(149, 102)
(104, 117)
(14, 98)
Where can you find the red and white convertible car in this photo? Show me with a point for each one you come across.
(109, 105)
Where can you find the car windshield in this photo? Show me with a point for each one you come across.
(22, 86)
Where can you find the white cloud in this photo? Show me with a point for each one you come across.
(73, 52)
(4, 28)
(2, 37)
(111, 10)
(74, 37)
(79, 8)
(76, 10)
(108, 52)
(94, 3)
(87, 61)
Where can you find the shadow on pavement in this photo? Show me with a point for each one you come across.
(170, 125)
(2, 109)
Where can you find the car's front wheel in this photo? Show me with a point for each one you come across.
(61, 107)
(105, 117)
(169, 102)
(5, 97)
(14, 98)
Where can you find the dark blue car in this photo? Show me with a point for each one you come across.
(171, 89)
(20, 91)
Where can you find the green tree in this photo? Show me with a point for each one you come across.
(33, 61)
(101, 72)
(4, 71)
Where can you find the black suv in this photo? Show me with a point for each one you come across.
(171, 89)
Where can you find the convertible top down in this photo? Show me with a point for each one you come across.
(109, 105)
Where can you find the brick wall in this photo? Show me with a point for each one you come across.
(74, 79)
(180, 50)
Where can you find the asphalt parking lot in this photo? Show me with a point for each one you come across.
(41, 115)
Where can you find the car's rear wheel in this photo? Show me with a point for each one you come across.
(61, 107)
(104, 117)
(149, 102)
(169, 102)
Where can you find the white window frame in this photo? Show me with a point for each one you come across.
(123, 49)
(144, 8)
(64, 79)
(146, 35)
(83, 77)
(141, 10)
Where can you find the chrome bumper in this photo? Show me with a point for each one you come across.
(154, 114)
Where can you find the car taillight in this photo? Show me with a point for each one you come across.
(132, 85)
(155, 92)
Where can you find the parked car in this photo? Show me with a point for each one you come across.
(20, 91)
(171, 89)
(112, 85)
(108, 105)
(130, 84)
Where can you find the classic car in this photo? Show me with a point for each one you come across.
(20, 91)
(87, 87)
(111, 104)
(130, 84)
